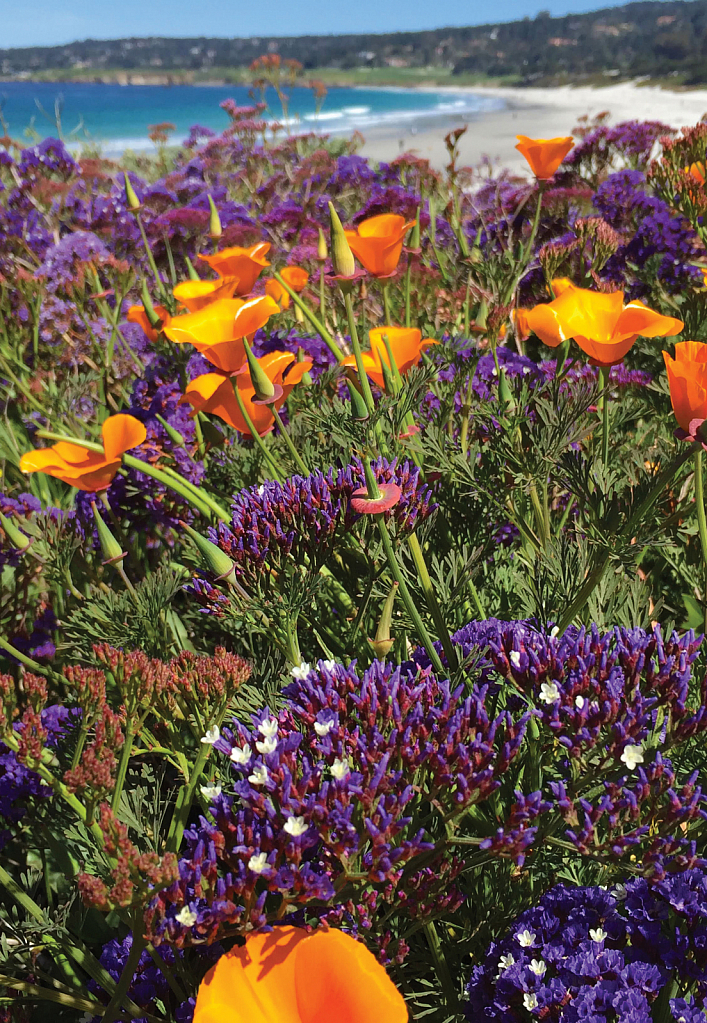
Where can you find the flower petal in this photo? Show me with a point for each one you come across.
(120, 433)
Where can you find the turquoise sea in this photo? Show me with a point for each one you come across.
(118, 116)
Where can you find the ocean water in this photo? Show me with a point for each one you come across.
(117, 117)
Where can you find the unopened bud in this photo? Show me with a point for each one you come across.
(432, 230)
(482, 314)
(383, 642)
(16, 537)
(217, 562)
(174, 435)
(147, 305)
(113, 553)
(359, 409)
(215, 229)
(415, 234)
(322, 253)
(193, 275)
(341, 254)
(262, 384)
(131, 200)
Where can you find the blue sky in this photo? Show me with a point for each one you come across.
(50, 22)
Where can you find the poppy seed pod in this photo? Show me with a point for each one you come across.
(262, 384)
(322, 253)
(16, 537)
(216, 561)
(131, 200)
(215, 229)
(341, 254)
(111, 549)
(383, 643)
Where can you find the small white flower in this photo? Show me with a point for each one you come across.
(241, 755)
(323, 728)
(295, 826)
(186, 918)
(210, 792)
(268, 728)
(579, 702)
(494, 372)
(258, 863)
(525, 938)
(212, 736)
(505, 963)
(340, 769)
(598, 934)
(538, 967)
(530, 1001)
(549, 693)
(261, 490)
(259, 775)
(268, 745)
(526, 370)
(620, 892)
(554, 631)
(329, 665)
(301, 671)
(514, 658)
(632, 756)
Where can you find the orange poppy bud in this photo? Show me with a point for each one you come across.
(599, 322)
(544, 156)
(195, 295)
(85, 469)
(687, 378)
(406, 345)
(217, 330)
(137, 314)
(278, 294)
(292, 976)
(244, 264)
(377, 243)
(213, 392)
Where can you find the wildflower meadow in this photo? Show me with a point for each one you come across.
(354, 581)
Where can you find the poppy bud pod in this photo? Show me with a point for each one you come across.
(217, 562)
(341, 254)
(383, 642)
(215, 229)
(415, 235)
(131, 200)
(152, 316)
(193, 275)
(262, 385)
(322, 253)
(306, 377)
(174, 435)
(482, 314)
(432, 230)
(359, 409)
(113, 553)
(16, 537)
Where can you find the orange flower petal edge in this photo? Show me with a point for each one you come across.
(687, 379)
(246, 264)
(291, 976)
(195, 295)
(377, 243)
(544, 156)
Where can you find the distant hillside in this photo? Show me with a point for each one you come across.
(656, 39)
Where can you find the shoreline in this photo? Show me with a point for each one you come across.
(538, 113)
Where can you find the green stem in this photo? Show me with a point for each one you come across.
(322, 294)
(298, 460)
(184, 800)
(150, 257)
(604, 406)
(386, 305)
(441, 968)
(123, 766)
(701, 520)
(254, 433)
(360, 368)
(126, 977)
(174, 482)
(432, 603)
(313, 319)
(407, 293)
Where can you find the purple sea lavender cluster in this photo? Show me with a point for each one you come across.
(600, 954)
(302, 517)
(322, 793)
(630, 142)
(18, 784)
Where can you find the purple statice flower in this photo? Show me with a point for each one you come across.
(598, 953)
(303, 516)
(18, 784)
(327, 780)
(37, 640)
(50, 156)
(280, 341)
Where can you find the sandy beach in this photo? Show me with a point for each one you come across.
(539, 113)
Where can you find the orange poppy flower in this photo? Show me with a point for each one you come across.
(213, 392)
(137, 314)
(697, 171)
(217, 330)
(406, 345)
(292, 976)
(84, 469)
(687, 377)
(599, 322)
(378, 242)
(245, 264)
(297, 279)
(520, 323)
(544, 156)
(195, 295)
